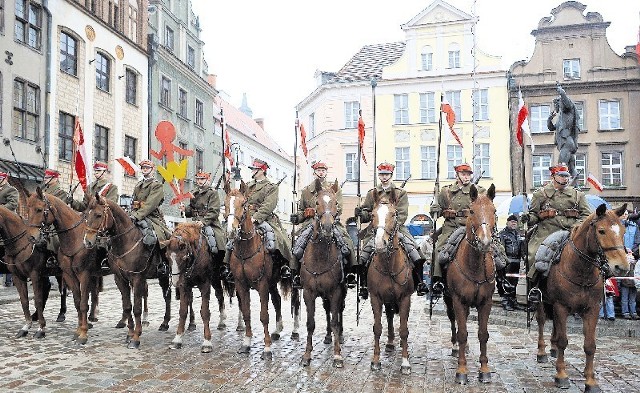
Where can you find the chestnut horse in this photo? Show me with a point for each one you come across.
(80, 267)
(253, 267)
(575, 285)
(390, 280)
(321, 272)
(193, 264)
(471, 281)
(131, 262)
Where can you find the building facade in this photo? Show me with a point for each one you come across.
(571, 48)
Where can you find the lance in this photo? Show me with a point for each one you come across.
(359, 195)
(436, 193)
(7, 142)
(404, 183)
(222, 161)
(295, 305)
(525, 212)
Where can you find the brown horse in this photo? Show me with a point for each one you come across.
(471, 281)
(131, 262)
(321, 272)
(80, 267)
(390, 280)
(253, 268)
(575, 285)
(193, 264)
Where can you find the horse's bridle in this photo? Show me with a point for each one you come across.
(12, 240)
(190, 255)
(103, 230)
(45, 213)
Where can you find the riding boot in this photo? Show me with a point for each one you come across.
(296, 280)
(351, 278)
(225, 270)
(104, 265)
(421, 287)
(364, 291)
(162, 268)
(437, 287)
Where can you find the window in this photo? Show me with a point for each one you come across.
(183, 146)
(454, 56)
(114, 15)
(351, 166)
(453, 97)
(426, 59)
(428, 159)
(183, 103)
(28, 26)
(168, 38)
(68, 54)
(312, 125)
(103, 67)
(401, 108)
(481, 104)
(580, 113)
(427, 107)
(540, 169)
(26, 110)
(454, 157)
(538, 115)
(403, 163)
(65, 136)
(612, 168)
(91, 5)
(191, 57)
(101, 144)
(351, 114)
(1, 16)
(571, 69)
(581, 168)
(165, 92)
(199, 160)
(132, 87)
(199, 113)
(609, 112)
(130, 147)
(133, 24)
(481, 160)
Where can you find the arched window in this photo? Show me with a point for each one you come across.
(103, 70)
(68, 54)
(426, 58)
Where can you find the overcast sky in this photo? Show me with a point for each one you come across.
(271, 49)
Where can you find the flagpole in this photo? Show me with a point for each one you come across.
(374, 83)
(359, 195)
(73, 154)
(295, 302)
(525, 211)
(224, 164)
(436, 192)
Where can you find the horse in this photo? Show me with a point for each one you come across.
(193, 264)
(131, 262)
(253, 267)
(390, 280)
(471, 281)
(322, 275)
(79, 265)
(574, 285)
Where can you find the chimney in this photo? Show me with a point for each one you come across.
(260, 121)
(212, 79)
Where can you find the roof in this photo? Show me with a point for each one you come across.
(369, 62)
(25, 171)
(237, 120)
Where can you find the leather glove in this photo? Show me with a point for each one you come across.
(357, 212)
(309, 212)
(435, 209)
(525, 218)
(294, 219)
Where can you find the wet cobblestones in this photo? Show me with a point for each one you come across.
(58, 364)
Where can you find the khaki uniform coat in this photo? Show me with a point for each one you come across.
(54, 243)
(205, 207)
(148, 193)
(9, 197)
(98, 186)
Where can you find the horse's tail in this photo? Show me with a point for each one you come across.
(229, 289)
(295, 302)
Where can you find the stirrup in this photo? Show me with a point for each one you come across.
(351, 280)
(534, 296)
(51, 262)
(295, 283)
(422, 289)
(437, 288)
(285, 272)
(363, 293)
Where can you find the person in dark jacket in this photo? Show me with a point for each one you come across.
(9, 198)
(513, 244)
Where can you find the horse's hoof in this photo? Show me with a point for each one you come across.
(376, 366)
(389, 348)
(562, 383)
(144, 324)
(206, 349)
(592, 389)
(175, 345)
(295, 336)
(405, 370)
(134, 344)
(120, 325)
(275, 336)
(338, 363)
(341, 339)
(82, 340)
(455, 352)
(542, 358)
(61, 317)
(222, 326)
(244, 349)
(89, 325)
(163, 327)
(22, 333)
(75, 336)
(461, 379)
(39, 334)
(240, 328)
(192, 327)
(267, 355)
(305, 362)
(553, 353)
(327, 339)
(484, 377)
(92, 319)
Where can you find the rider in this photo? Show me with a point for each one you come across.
(100, 186)
(455, 216)
(554, 207)
(51, 184)
(514, 248)
(205, 207)
(364, 212)
(148, 195)
(304, 217)
(9, 198)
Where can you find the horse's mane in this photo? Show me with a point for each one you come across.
(235, 192)
(189, 230)
(55, 201)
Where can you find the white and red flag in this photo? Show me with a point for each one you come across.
(361, 134)
(595, 182)
(523, 123)
(129, 166)
(447, 110)
(80, 155)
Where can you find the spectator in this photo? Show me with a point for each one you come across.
(514, 247)
(631, 227)
(610, 291)
(628, 291)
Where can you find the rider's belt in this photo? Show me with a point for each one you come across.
(450, 213)
(550, 213)
(137, 204)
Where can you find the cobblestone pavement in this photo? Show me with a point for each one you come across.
(56, 363)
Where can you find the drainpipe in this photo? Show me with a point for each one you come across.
(47, 116)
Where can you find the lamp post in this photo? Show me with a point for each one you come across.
(125, 201)
(235, 170)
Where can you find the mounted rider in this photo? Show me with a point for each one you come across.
(9, 198)
(365, 213)
(304, 217)
(205, 207)
(554, 207)
(51, 185)
(100, 185)
(148, 195)
(455, 211)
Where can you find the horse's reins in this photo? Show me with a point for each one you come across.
(238, 238)
(103, 231)
(191, 255)
(46, 232)
(317, 240)
(390, 250)
(474, 244)
(12, 240)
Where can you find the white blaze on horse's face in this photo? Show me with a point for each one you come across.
(616, 229)
(231, 215)
(174, 263)
(326, 199)
(381, 212)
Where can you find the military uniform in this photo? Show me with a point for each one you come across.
(101, 186)
(9, 197)
(148, 195)
(205, 207)
(53, 188)
(56, 191)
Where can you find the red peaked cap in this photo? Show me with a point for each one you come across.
(100, 166)
(259, 164)
(386, 167)
(203, 175)
(146, 163)
(3, 175)
(464, 167)
(319, 165)
(560, 169)
(51, 173)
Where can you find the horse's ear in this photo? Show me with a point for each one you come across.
(335, 186)
(620, 211)
(473, 193)
(243, 187)
(491, 192)
(601, 210)
(318, 185)
(39, 192)
(27, 193)
(226, 187)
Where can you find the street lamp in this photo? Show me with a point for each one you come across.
(125, 201)
(236, 169)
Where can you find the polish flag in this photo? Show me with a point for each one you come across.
(594, 182)
(445, 108)
(523, 123)
(129, 166)
(303, 140)
(361, 137)
(80, 158)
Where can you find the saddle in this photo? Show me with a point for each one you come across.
(549, 251)
(450, 248)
